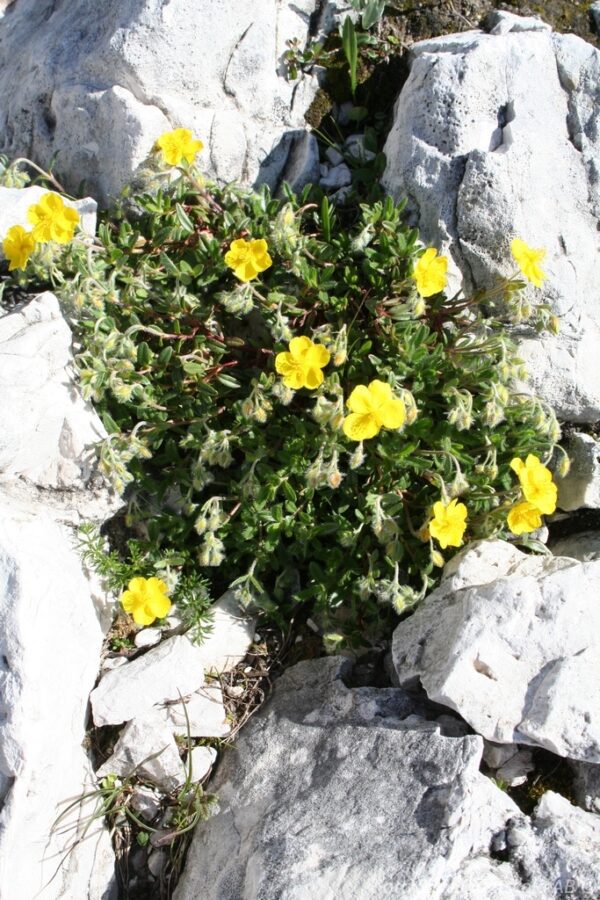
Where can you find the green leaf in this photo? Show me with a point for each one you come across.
(350, 47)
(184, 220)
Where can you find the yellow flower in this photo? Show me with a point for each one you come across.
(524, 517)
(373, 408)
(527, 259)
(430, 273)
(301, 367)
(146, 600)
(177, 145)
(536, 482)
(248, 258)
(18, 245)
(52, 220)
(449, 523)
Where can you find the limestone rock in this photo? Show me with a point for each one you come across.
(147, 637)
(231, 635)
(581, 485)
(495, 137)
(146, 801)
(206, 715)
(502, 22)
(202, 761)
(587, 785)
(163, 673)
(517, 768)
(336, 177)
(559, 852)
(516, 656)
(98, 83)
(316, 801)
(584, 546)
(147, 748)
(47, 428)
(50, 641)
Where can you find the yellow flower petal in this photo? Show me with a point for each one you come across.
(359, 400)
(145, 600)
(527, 258)
(523, 518)
(536, 483)
(301, 366)
(360, 427)
(52, 219)
(18, 245)
(430, 273)
(448, 524)
(177, 145)
(300, 345)
(248, 258)
(393, 414)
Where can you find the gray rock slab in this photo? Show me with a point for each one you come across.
(322, 797)
(146, 747)
(516, 655)
(161, 675)
(495, 137)
(88, 81)
(559, 852)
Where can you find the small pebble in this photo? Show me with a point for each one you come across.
(147, 637)
(156, 862)
(113, 662)
(334, 156)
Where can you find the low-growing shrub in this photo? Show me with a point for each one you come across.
(294, 405)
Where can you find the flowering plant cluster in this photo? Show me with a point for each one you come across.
(294, 405)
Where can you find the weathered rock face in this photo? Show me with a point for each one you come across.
(515, 652)
(50, 638)
(351, 793)
(97, 83)
(47, 428)
(332, 792)
(495, 136)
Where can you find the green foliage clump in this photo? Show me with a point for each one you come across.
(232, 478)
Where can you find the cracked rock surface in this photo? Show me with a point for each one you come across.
(514, 651)
(98, 82)
(495, 136)
(50, 640)
(353, 793)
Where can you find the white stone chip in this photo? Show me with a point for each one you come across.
(203, 759)
(173, 668)
(147, 748)
(205, 712)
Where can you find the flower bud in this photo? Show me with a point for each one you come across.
(357, 457)
(437, 559)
